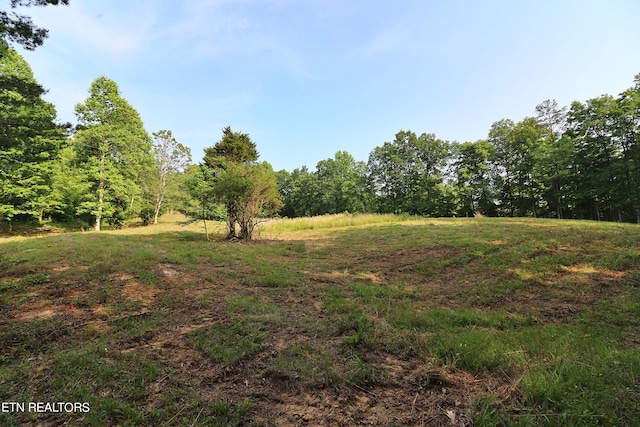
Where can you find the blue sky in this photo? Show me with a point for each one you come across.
(306, 78)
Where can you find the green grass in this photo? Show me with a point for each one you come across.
(230, 342)
(519, 322)
(304, 362)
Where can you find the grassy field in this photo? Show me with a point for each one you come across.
(338, 320)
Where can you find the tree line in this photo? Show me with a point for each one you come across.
(108, 168)
(580, 162)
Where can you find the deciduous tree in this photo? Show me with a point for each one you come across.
(515, 145)
(342, 184)
(471, 167)
(171, 157)
(554, 157)
(112, 147)
(406, 174)
(29, 141)
(300, 191)
(251, 190)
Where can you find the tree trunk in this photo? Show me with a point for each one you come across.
(231, 225)
(162, 184)
(157, 210)
(100, 203)
(100, 191)
(231, 222)
(204, 219)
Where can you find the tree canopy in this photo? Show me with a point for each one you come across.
(245, 187)
(112, 147)
(171, 158)
(29, 141)
(406, 173)
(580, 161)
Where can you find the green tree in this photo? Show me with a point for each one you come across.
(233, 147)
(200, 202)
(245, 187)
(171, 158)
(554, 157)
(15, 28)
(285, 188)
(112, 147)
(193, 196)
(342, 183)
(471, 169)
(596, 172)
(627, 131)
(605, 133)
(406, 174)
(515, 145)
(70, 186)
(251, 189)
(29, 141)
(28, 134)
(301, 193)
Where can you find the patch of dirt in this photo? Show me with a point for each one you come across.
(39, 310)
(137, 291)
(413, 394)
(100, 310)
(122, 276)
(376, 278)
(37, 314)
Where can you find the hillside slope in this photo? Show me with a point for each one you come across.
(340, 320)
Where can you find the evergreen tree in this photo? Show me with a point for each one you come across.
(244, 186)
(20, 29)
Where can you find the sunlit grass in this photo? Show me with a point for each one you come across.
(331, 221)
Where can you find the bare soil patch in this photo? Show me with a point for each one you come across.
(137, 291)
